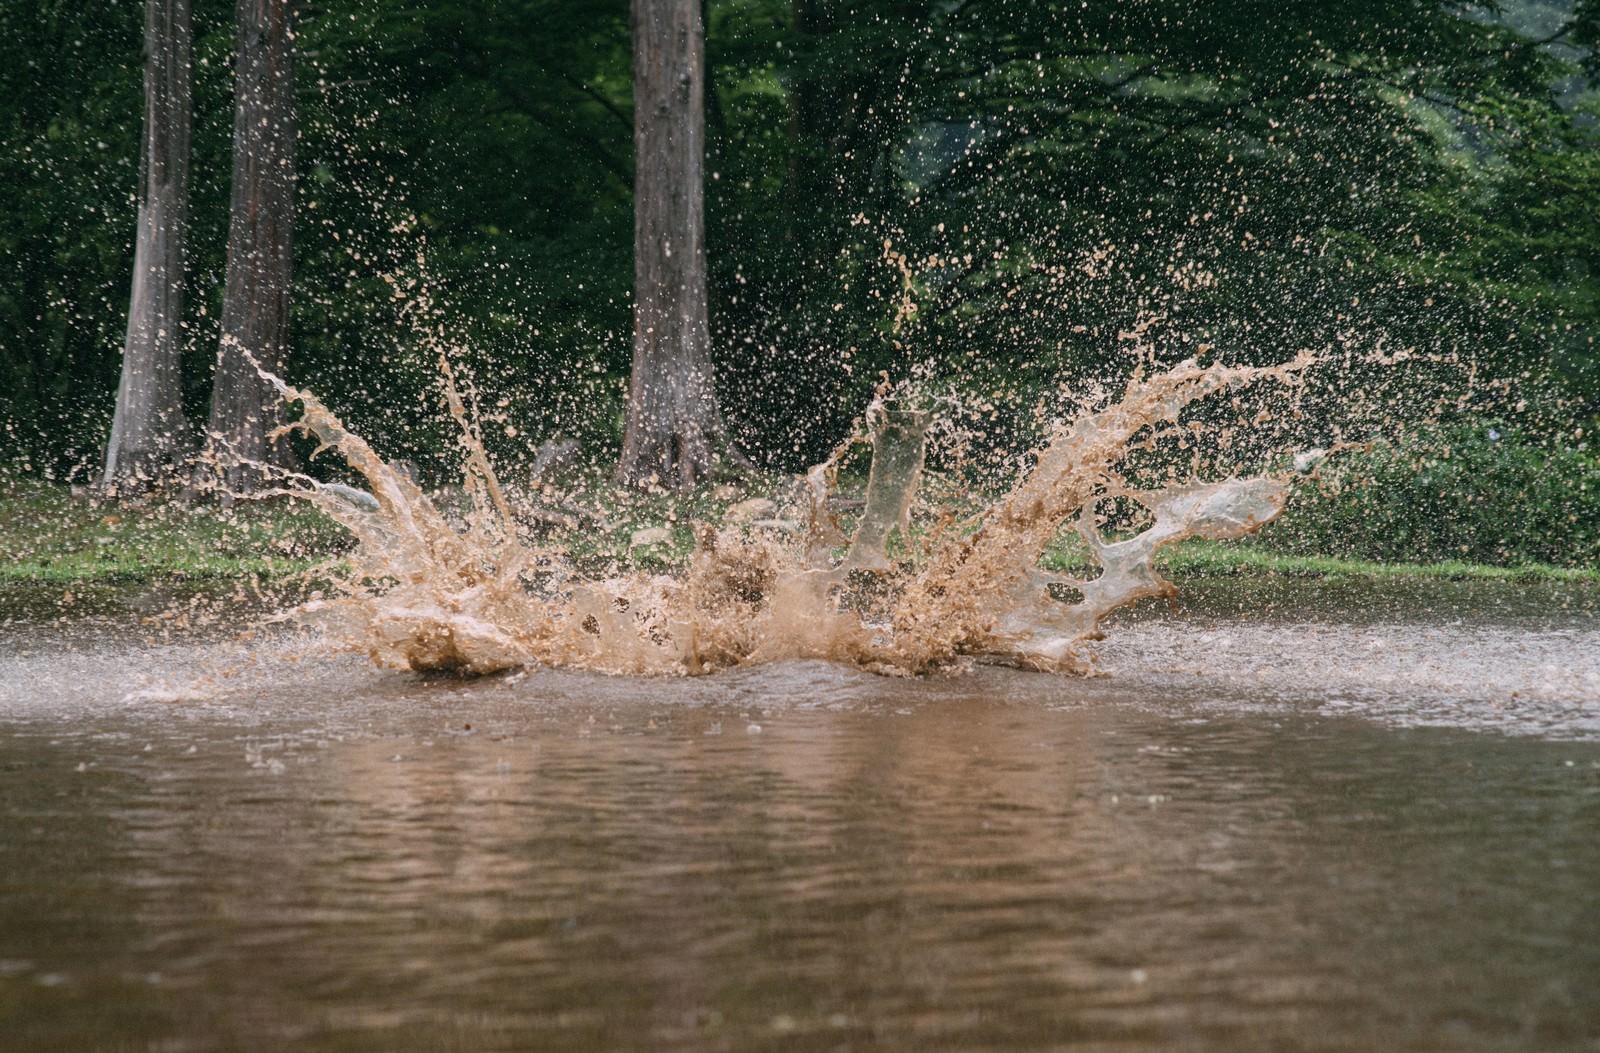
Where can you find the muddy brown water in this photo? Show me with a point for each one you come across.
(1335, 817)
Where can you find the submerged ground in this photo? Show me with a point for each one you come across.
(1336, 817)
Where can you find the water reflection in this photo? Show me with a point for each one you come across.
(796, 857)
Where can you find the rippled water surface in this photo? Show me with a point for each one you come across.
(1348, 820)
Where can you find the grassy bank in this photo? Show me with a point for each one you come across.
(1256, 557)
(50, 536)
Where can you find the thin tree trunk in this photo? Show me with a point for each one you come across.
(674, 427)
(245, 409)
(148, 429)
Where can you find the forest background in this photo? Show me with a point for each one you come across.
(989, 195)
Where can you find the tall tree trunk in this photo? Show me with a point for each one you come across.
(148, 430)
(255, 314)
(674, 427)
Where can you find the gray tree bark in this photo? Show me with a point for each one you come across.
(245, 409)
(674, 427)
(148, 429)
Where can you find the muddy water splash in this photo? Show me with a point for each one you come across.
(476, 597)
(985, 594)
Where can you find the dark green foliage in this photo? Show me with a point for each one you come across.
(476, 157)
(984, 195)
(1052, 177)
(70, 104)
(70, 84)
(1477, 493)
(1583, 29)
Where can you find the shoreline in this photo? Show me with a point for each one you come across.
(51, 538)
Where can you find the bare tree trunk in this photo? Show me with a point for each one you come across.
(245, 409)
(148, 430)
(674, 427)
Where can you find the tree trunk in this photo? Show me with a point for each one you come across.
(674, 427)
(148, 430)
(245, 409)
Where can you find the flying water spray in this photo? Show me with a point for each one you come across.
(477, 594)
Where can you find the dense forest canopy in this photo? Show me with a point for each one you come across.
(988, 194)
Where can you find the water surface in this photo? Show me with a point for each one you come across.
(1347, 823)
